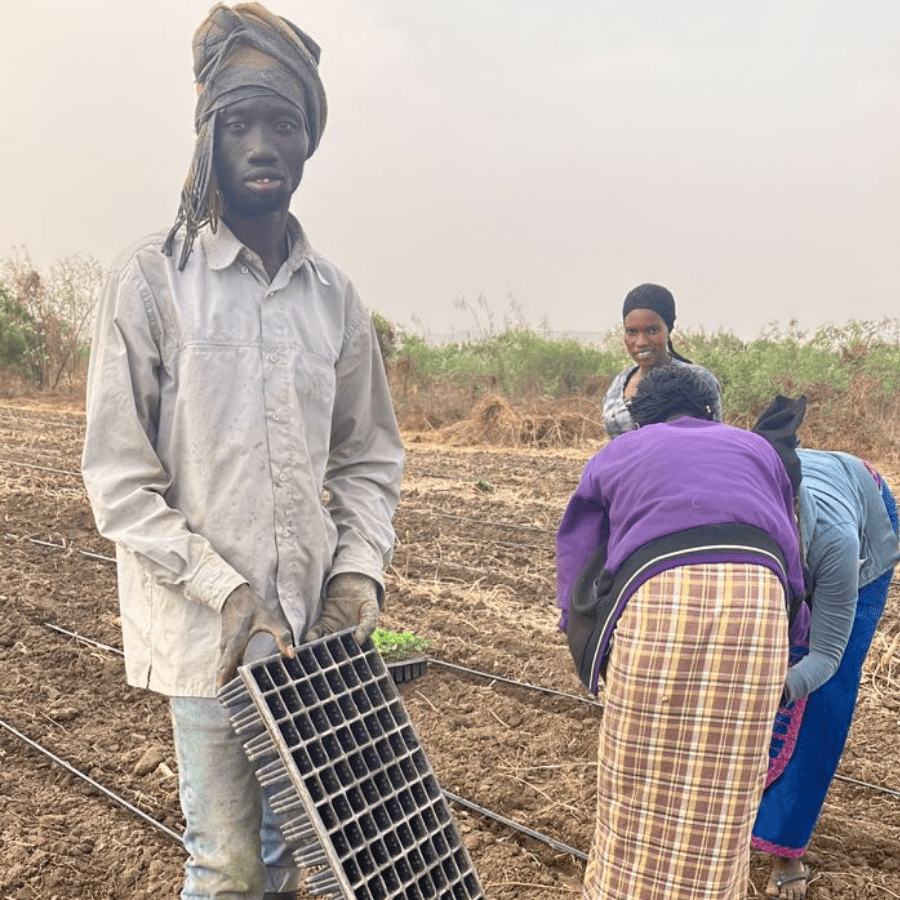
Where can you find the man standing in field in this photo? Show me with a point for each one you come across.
(241, 448)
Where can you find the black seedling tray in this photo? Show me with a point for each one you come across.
(357, 796)
(407, 669)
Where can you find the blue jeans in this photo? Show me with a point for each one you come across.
(234, 846)
(791, 805)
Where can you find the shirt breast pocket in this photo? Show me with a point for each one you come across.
(314, 382)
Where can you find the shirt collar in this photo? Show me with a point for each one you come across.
(222, 248)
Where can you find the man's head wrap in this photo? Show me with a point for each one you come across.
(778, 424)
(241, 52)
(657, 299)
(671, 390)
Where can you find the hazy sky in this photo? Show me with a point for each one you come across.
(556, 153)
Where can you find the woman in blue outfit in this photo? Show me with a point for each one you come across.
(648, 317)
(848, 525)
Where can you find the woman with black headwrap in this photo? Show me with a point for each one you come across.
(648, 316)
(676, 557)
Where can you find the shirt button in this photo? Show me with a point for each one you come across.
(282, 477)
(244, 270)
(275, 416)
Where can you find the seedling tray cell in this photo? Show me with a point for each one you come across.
(358, 800)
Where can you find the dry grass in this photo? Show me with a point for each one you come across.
(537, 423)
(860, 421)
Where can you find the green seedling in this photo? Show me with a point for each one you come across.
(394, 646)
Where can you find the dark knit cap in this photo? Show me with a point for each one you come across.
(672, 390)
(653, 297)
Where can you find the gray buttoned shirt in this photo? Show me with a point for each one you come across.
(849, 542)
(238, 431)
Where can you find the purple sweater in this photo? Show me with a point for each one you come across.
(669, 477)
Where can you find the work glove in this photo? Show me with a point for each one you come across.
(351, 600)
(244, 615)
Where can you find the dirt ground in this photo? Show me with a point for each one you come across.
(473, 572)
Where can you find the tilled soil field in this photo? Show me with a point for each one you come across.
(88, 784)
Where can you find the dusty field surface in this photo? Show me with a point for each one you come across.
(499, 712)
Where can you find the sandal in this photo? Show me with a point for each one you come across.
(783, 878)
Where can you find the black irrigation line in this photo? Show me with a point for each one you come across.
(865, 784)
(431, 659)
(25, 465)
(511, 525)
(401, 507)
(18, 413)
(435, 562)
(523, 684)
(508, 525)
(83, 639)
(121, 801)
(438, 564)
(492, 678)
(146, 817)
(507, 546)
(464, 669)
(29, 448)
(556, 845)
(68, 547)
(460, 801)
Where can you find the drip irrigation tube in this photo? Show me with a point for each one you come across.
(24, 412)
(121, 801)
(514, 525)
(556, 845)
(86, 553)
(464, 669)
(431, 659)
(83, 639)
(25, 465)
(524, 684)
(895, 580)
(865, 784)
(454, 798)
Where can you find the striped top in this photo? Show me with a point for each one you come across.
(616, 414)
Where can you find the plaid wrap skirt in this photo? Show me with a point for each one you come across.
(693, 684)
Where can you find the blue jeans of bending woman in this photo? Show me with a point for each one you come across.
(791, 804)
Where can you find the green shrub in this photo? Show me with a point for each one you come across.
(787, 361)
(20, 339)
(388, 336)
(849, 373)
(516, 363)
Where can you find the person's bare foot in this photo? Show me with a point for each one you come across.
(788, 879)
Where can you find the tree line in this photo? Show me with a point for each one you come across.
(46, 319)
